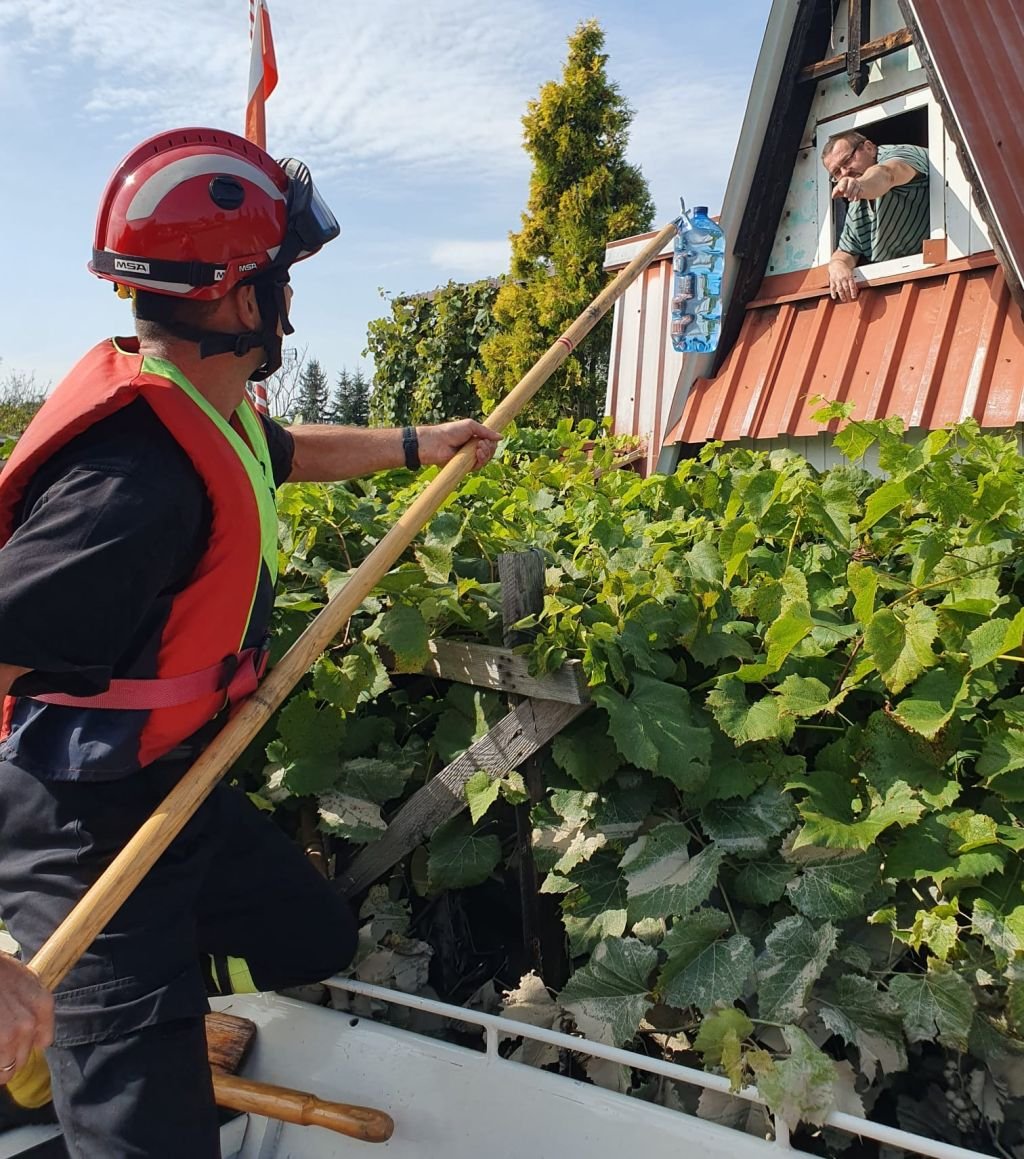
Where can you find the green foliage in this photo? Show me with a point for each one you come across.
(798, 800)
(583, 194)
(427, 352)
(20, 398)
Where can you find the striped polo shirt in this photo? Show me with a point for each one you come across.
(896, 223)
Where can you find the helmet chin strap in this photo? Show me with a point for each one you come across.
(273, 310)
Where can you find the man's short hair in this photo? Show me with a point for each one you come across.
(850, 136)
(153, 312)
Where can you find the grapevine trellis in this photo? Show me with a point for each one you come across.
(785, 837)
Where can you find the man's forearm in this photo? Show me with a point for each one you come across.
(849, 260)
(324, 453)
(876, 181)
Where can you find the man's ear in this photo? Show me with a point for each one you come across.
(248, 310)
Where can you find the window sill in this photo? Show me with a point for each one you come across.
(813, 283)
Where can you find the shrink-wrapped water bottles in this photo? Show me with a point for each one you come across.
(697, 265)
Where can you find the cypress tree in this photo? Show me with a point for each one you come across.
(583, 194)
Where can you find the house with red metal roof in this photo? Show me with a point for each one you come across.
(933, 337)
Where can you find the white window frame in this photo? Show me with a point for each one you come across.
(858, 119)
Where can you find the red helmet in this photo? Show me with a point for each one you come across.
(193, 212)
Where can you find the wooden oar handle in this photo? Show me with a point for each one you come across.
(366, 1123)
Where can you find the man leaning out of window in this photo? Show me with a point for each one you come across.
(887, 188)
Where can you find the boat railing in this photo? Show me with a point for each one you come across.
(497, 1029)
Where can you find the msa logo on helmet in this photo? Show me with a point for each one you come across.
(248, 267)
(128, 266)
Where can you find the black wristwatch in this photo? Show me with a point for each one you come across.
(411, 447)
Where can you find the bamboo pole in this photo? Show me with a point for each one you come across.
(78, 930)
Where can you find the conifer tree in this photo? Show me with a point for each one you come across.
(311, 402)
(351, 399)
(583, 194)
(359, 400)
(340, 399)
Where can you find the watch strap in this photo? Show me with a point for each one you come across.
(411, 448)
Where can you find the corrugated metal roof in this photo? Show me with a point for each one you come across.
(933, 347)
(974, 55)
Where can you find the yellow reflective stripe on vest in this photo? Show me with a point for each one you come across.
(256, 461)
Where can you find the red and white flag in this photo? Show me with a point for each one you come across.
(262, 72)
(262, 82)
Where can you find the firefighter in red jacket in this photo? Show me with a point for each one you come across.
(138, 560)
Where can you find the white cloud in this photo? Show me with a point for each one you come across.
(436, 87)
(471, 259)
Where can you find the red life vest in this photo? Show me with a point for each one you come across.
(201, 649)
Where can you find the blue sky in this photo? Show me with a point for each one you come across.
(407, 114)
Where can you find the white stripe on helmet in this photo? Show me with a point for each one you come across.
(149, 195)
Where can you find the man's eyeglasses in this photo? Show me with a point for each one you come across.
(836, 173)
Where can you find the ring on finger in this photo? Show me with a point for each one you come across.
(9, 1066)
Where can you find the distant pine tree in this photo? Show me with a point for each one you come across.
(351, 405)
(341, 401)
(312, 399)
(359, 405)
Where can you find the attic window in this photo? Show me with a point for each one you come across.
(909, 128)
(912, 118)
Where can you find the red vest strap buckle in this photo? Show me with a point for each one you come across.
(249, 667)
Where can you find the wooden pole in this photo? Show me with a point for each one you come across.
(522, 594)
(78, 930)
(303, 1108)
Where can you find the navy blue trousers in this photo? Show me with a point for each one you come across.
(128, 1062)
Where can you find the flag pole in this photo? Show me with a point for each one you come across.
(262, 82)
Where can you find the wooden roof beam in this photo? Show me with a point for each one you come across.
(871, 50)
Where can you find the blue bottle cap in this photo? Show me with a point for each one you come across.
(701, 209)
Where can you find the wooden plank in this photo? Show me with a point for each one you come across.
(522, 592)
(870, 50)
(858, 33)
(485, 666)
(514, 738)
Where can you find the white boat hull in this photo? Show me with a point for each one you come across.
(452, 1102)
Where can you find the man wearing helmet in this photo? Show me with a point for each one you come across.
(137, 567)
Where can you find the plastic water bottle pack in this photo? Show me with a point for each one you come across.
(697, 267)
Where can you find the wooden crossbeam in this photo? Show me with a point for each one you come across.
(527, 727)
(500, 669)
(871, 50)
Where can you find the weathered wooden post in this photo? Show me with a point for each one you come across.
(522, 594)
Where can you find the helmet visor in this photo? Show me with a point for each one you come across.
(311, 224)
